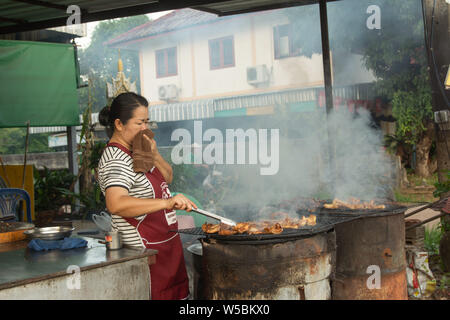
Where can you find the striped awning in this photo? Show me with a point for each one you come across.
(201, 109)
(189, 110)
(209, 108)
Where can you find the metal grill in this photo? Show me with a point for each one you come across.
(324, 223)
(344, 212)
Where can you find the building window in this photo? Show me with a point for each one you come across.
(221, 53)
(166, 62)
(284, 42)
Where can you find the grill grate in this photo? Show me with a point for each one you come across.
(324, 223)
(345, 212)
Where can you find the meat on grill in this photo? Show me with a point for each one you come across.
(260, 227)
(353, 204)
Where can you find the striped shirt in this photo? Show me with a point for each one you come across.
(115, 169)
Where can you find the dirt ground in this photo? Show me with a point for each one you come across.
(442, 291)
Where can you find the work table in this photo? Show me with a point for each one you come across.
(21, 267)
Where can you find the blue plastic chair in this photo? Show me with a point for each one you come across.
(9, 200)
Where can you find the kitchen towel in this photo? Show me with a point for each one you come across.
(65, 244)
(142, 152)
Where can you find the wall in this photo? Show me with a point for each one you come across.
(128, 280)
(253, 45)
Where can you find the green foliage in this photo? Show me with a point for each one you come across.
(13, 141)
(49, 186)
(442, 187)
(395, 53)
(433, 239)
(412, 110)
(100, 61)
(90, 202)
(96, 153)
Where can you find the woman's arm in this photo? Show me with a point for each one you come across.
(164, 167)
(118, 202)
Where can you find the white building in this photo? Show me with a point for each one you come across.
(196, 65)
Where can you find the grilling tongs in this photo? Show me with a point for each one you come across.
(215, 216)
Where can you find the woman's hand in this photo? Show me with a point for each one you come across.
(153, 147)
(180, 202)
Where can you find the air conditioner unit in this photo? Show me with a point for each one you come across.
(168, 92)
(258, 74)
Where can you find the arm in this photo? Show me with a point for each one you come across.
(118, 202)
(164, 167)
(160, 163)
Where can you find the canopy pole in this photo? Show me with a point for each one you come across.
(73, 160)
(326, 58)
(25, 155)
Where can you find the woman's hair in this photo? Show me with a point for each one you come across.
(122, 108)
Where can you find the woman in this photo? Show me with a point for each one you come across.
(141, 206)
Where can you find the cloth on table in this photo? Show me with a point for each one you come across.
(142, 152)
(65, 244)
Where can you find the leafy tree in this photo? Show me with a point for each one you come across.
(100, 61)
(395, 53)
(13, 141)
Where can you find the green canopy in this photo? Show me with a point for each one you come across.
(38, 83)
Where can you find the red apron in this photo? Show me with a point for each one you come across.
(169, 280)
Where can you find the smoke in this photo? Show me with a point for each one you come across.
(361, 168)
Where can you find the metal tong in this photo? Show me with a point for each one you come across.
(215, 216)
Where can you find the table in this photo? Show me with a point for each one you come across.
(83, 273)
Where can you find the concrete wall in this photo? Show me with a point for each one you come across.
(253, 45)
(52, 160)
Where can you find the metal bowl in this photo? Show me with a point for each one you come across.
(50, 233)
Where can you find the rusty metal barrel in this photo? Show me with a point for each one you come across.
(370, 258)
(281, 270)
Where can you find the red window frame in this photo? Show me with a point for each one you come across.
(221, 53)
(165, 52)
(293, 51)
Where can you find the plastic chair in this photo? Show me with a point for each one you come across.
(9, 200)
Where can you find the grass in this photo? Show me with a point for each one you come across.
(433, 238)
(406, 196)
(419, 181)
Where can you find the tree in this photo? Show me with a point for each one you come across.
(395, 53)
(436, 15)
(100, 62)
(13, 141)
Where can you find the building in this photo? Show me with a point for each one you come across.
(196, 65)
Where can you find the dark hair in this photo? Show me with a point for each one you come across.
(122, 108)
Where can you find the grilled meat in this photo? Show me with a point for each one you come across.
(259, 227)
(353, 204)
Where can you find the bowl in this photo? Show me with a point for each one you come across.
(49, 233)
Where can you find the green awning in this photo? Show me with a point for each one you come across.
(38, 84)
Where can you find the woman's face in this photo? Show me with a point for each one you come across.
(137, 123)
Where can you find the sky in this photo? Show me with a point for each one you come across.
(85, 41)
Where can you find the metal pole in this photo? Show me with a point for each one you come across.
(73, 159)
(328, 88)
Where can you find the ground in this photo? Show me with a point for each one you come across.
(442, 291)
